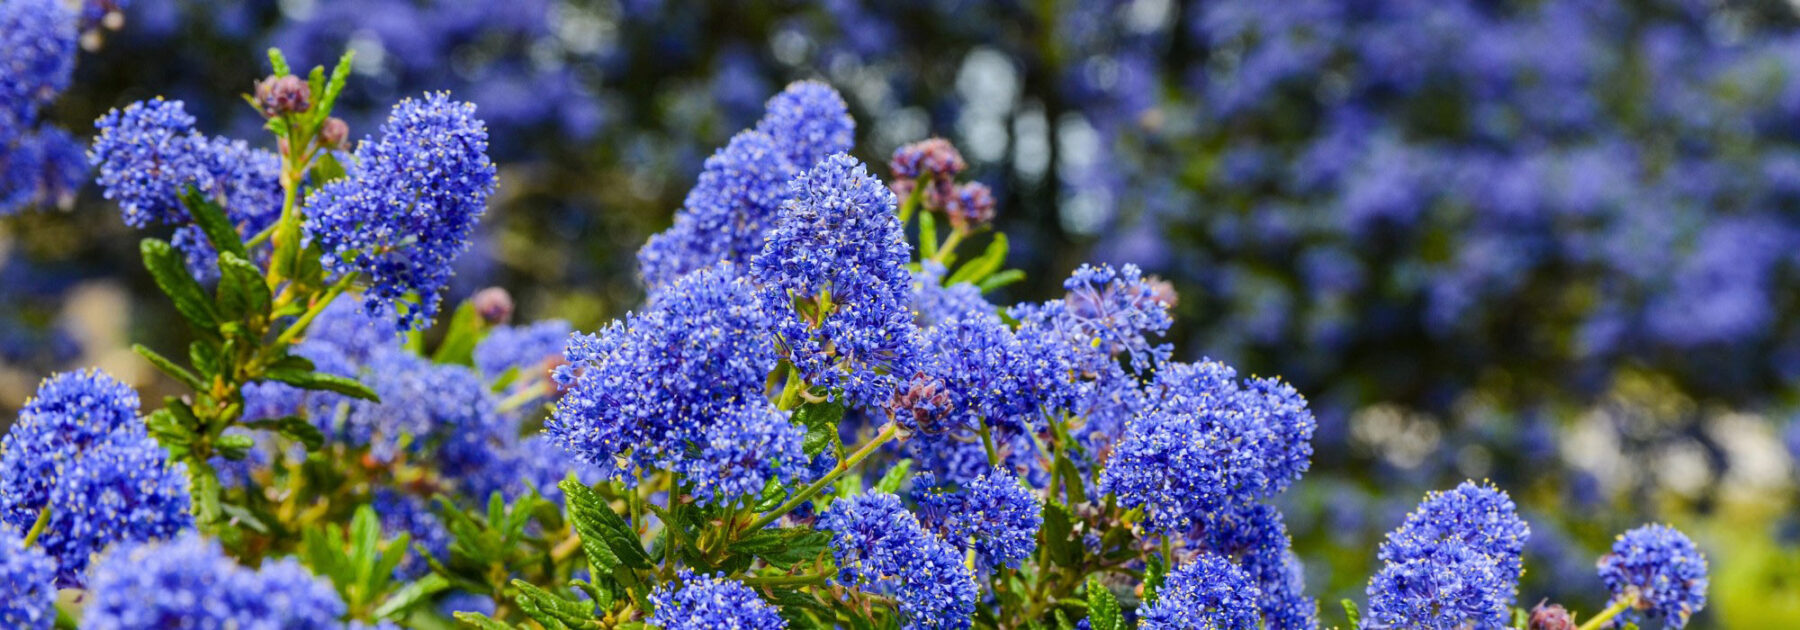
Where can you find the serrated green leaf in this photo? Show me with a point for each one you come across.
(204, 355)
(598, 525)
(1103, 607)
(170, 432)
(549, 608)
(292, 362)
(783, 547)
(169, 268)
(1000, 279)
(213, 222)
(278, 62)
(321, 381)
(480, 621)
(1156, 570)
(235, 446)
(1059, 541)
(982, 266)
(1351, 613)
(169, 367)
(895, 477)
(821, 421)
(410, 595)
(242, 291)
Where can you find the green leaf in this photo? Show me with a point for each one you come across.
(335, 86)
(821, 422)
(552, 610)
(292, 362)
(1059, 535)
(783, 547)
(1000, 279)
(242, 291)
(1156, 570)
(241, 515)
(315, 84)
(213, 222)
(410, 595)
(467, 328)
(928, 238)
(327, 168)
(1103, 608)
(169, 367)
(235, 446)
(169, 269)
(278, 62)
(480, 621)
(600, 528)
(294, 428)
(322, 381)
(1351, 613)
(170, 432)
(895, 477)
(204, 355)
(1071, 477)
(982, 266)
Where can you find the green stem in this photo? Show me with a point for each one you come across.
(911, 204)
(299, 326)
(521, 397)
(887, 433)
(987, 442)
(928, 243)
(949, 247)
(1607, 615)
(37, 528)
(65, 619)
(790, 393)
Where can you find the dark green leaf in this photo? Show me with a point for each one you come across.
(410, 595)
(234, 446)
(242, 291)
(292, 362)
(323, 382)
(169, 269)
(783, 547)
(480, 621)
(598, 526)
(1155, 571)
(895, 477)
(1059, 535)
(821, 422)
(169, 432)
(1103, 608)
(295, 428)
(169, 367)
(1071, 477)
(552, 610)
(467, 328)
(213, 222)
(205, 357)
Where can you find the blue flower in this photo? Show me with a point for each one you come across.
(122, 490)
(1255, 537)
(809, 121)
(880, 545)
(736, 200)
(643, 389)
(535, 463)
(1660, 571)
(1454, 562)
(70, 413)
(1107, 312)
(528, 348)
(1207, 444)
(932, 302)
(27, 584)
(977, 361)
(408, 206)
(352, 332)
(709, 602)
(402, 512)
(444, 409)
(37, 55)
(1208, 592)
(746, 448)
(43, 168)
(995, 514)
(834, 271)
(190, 583)
(1480, 516)
(149, 153)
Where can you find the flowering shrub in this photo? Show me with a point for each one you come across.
(816, 419)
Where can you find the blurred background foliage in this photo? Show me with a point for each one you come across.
(1548, 242)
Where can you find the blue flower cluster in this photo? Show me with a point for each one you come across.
(1207, 592)
(529, 348)
(1256, 538)
(38, 165)
(708, 602)
(838, 257)
(995, 514)
(1454, 562)
(880, 545)
(739, 195)
(79, 451)
(1658, 572)
(27, 584)
(408, 206)
(189, 582)
(1207, 443)
(687, 371)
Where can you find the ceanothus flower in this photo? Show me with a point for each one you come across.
(1207, 592)
(27, 584)
(1256, 538)
(880, 545)
(743, 450)
(1107, 312)
(149, 153)
(535, 463)
(711, 602)
(527, 348)
(37, 55)
(1660, 571)
(976, 361)
(70, 413)
(43, 167)
(741, 190)
(995, 514)
(1207, 444)
(402, 512)
(122, 490)
(352, 332)
(189, 582)
(810, 122)
(645, 388)
(407, 207)
(932, 302)
(834, 273)
(1480, 516)
(444, 408)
